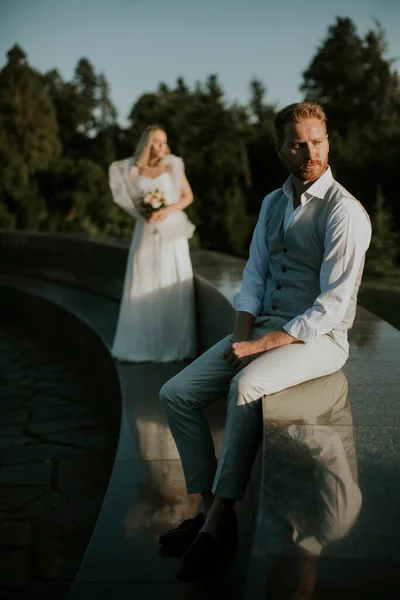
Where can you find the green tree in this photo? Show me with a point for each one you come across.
(77, 199)
(27, 115)
(262, 114)
(28, 141)
(107, 111)
(335, 75)
(86, 116)
(384, 249)
(85, 84)
(266, 169)
(65, 99)
(104, 145)
(356, 82)
(208, 134)
(353, 79)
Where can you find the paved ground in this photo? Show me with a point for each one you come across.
(56, 454)
(147, 487)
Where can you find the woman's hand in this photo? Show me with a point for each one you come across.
(159, 215)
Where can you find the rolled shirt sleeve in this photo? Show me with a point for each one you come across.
(347, 237)
(251, 296)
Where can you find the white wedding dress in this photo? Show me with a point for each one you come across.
(157, 314)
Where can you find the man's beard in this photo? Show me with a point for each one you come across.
(310, 171)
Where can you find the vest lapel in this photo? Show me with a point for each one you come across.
(281, 228)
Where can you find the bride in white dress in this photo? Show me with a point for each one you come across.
(157, 314)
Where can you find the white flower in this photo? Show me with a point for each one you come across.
(156, 203)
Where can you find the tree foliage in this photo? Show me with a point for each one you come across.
(27, 116)
(384, 248)
(57, 139)
(360, 90)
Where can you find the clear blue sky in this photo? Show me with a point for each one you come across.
(138, 43)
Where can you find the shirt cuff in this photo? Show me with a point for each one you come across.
(246, 303)
(301, 330)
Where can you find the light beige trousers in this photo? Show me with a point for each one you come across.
(209, 378)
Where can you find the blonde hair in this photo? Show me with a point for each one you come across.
(142, 150)
(295, 113)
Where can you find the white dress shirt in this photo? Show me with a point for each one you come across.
(347, 237)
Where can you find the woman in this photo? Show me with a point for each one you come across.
(157, 315)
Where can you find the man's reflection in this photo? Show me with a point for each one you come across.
(309, 477)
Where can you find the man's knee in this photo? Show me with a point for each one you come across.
(175, 391)
(244, 390)
(168, 391)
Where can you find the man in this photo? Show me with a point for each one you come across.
(297, 301)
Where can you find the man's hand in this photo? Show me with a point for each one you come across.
(240, 354)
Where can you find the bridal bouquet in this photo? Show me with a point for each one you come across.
(149, 202)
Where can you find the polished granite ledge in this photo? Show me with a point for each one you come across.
(148, 492)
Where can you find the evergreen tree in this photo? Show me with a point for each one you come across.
(85, 84)
(86, 116)
(28, 141)
(266, 169)
(66, 103)
(77, 199)
(384, 248)
(208, 134)
(355, 81)
(27, 115)
(335, 75)
(107, 111)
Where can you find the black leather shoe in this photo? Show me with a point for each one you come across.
(207, 555)
(183, 535)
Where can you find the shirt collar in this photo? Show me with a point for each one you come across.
(317, 190)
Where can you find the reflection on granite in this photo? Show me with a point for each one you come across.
(223, 271)
(308, 441)
(147, 495)
(309, 524)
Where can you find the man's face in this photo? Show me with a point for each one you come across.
(305, 149)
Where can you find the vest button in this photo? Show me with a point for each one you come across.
(274, 308)
(278, 287)
(284, 269)
(284, 250)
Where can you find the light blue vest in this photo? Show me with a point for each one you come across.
(295, 257)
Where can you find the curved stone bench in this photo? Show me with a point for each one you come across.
(66, 275)
(146, 492)
(98, 267)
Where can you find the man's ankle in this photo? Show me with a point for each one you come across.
(222, 504)
(207, 499)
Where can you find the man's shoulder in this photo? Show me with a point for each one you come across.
(339, 195)
(338, 192)
(272, 198)
(341, 200)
